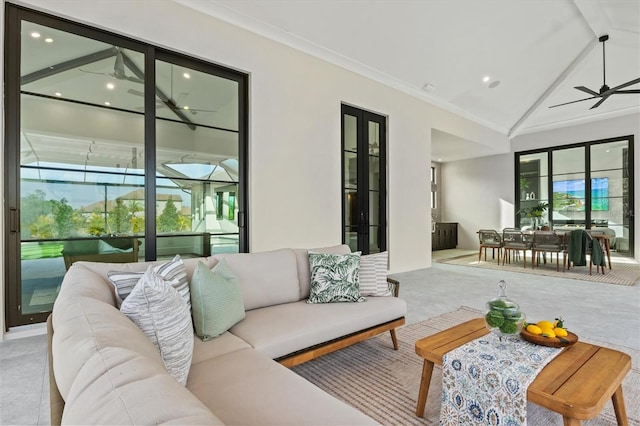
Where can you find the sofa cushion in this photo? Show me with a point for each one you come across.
(247, 388)
(266, 278)
(280, 330)
(173, 271)
(334, 278)
(302, 262)
(223, 344)
(216, 300)
(117, 386)
(373, 275)
(163, 316)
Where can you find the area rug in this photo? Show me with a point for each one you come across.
(383, 383)
(621, 273)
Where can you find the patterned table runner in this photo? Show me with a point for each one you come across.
(485, 381)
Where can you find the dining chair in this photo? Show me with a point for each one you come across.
(489, 238)
(546, 242)
(581, 244)
(513, 240)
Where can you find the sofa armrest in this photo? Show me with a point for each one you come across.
(56, 403)
(394, 286)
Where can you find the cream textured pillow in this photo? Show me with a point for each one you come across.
(373, 275)
(334, 278)
(163, 316)
(173, 271)
(216, 300)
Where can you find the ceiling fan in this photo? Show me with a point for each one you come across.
(176, 105)
(605, 91)
(118, 69)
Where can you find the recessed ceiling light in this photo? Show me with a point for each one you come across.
(486, 79)
(107, 103)
(35, 34)
(58, 94)
(185, 107)
(111, 86)
(186, 75)
(48, 40)
(439, 160)
(494, 84)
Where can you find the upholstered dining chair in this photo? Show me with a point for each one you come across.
(513, 240)
(546, 242)
(489, 238)
(579, 245)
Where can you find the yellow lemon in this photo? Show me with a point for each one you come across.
(547, 332)
(560, 332)
(534, 329)
(545, 324)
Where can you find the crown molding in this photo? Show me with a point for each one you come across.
(577, 121)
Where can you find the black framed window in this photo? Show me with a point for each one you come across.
(116, 151)
(587, 185)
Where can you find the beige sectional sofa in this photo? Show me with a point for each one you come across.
(106, 371)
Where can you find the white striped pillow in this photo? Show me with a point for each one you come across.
(163, 316)
(373, 275)
(173, 271)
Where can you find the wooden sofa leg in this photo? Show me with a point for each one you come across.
(394, 339)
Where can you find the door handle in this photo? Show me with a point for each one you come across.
(14, 220)
(362, 222)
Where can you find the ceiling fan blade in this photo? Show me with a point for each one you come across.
(628, 83)
(587, 90)
(597, 104)
(627, 91)
(134, 79)
(573, 102)
(135, 92)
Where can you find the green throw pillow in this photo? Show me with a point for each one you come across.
(216, 300)
(334, 278)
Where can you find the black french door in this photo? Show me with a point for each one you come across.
(364, 206)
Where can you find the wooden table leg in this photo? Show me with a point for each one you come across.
(618, 407)
(607, 248)
(568, 421)
(427, 370)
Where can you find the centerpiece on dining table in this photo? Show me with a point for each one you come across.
(503, 316)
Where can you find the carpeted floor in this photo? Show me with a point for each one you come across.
(383, 383)
(621, 273)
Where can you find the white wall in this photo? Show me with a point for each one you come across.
(478, 194)
(295, 126)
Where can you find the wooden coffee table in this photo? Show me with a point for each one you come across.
(576, 384)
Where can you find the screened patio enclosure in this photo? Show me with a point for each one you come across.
(117, 151)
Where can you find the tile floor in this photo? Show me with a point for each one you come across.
(590, 309)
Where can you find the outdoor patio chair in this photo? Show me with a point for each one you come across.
(546, 242)
(579, 245)
(489, 238)
(514, 240)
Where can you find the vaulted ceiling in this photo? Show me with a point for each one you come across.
(501, 63)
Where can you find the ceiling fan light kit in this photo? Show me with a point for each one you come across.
(605, 91)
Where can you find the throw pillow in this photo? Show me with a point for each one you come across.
(163, 316)
(373, 275)
(216, 300)
(334, 278)
(173, 271)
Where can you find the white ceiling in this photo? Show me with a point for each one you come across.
(537, 51)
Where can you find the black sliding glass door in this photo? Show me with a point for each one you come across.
(116, 151)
